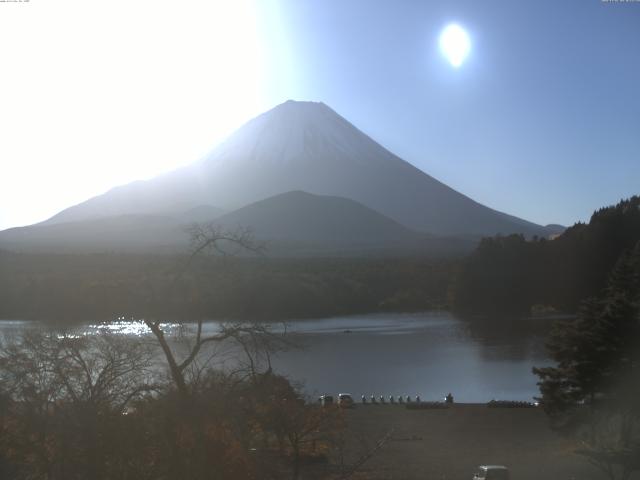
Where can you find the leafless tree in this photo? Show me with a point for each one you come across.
(65, 393)
(43, 368)
(255, 339)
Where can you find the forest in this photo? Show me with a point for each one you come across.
(512, 275)
(101, 287)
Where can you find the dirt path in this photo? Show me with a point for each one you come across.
(449, 443)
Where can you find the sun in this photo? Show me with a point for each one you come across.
(455, 44)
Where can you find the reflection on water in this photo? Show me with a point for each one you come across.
(428, 354)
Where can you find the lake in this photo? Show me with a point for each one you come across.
(427, 354)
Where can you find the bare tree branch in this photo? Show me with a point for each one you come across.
(207, 238)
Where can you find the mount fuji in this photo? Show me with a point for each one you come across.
(304, 147)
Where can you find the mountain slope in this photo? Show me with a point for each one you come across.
(123, 233)
(306, 146)
(314, 219)
(291, 224)
(302, 224)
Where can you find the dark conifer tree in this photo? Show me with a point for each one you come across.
(597, 350)
(593, 391)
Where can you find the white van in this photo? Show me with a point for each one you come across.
(491, 472)
(345, 400)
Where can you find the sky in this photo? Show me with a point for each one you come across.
(541, 120)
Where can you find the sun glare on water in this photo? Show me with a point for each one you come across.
(455, 44)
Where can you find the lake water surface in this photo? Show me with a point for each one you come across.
(426, 354)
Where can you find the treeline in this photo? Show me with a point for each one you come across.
(592, 390)
(513, 275)
(80, 288)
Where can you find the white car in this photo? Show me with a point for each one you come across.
(345, 400)
(491, 472)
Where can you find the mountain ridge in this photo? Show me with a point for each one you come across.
(309, 147)
(293, 224)
(302, 216)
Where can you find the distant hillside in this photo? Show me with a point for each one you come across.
(511, 274)
(306, 146)
(318, 219)
(553, 230)
(299, 223)
(292, 224)
(122, 233)
(200, 214)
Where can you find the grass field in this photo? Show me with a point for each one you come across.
(449, 443)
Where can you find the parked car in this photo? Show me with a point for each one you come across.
(325, 400)
(345, 400)
(491, 472)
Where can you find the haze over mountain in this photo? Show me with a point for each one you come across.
(133, 233)
(305, 146)
(290, 224)
(303, 217)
